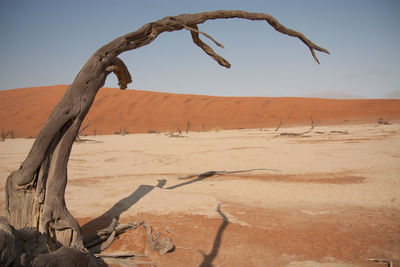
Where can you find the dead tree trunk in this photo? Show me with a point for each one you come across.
(35, 192)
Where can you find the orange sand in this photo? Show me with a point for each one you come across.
(26, 110)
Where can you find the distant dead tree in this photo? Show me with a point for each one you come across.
(313, 123)
(279, 125)
(35, 191)
(188, 124)
(78, 138)
(123, 131)
(4, 134)
(178, 129)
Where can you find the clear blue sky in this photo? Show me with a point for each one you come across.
(47, 43)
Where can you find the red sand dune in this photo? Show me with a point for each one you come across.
(26, 110)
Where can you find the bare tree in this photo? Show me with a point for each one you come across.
(123, 131)
(4, 135)
(178, 129)
(313, 123)
(279, 125)
(35, 192)
(78, 138)
(188, 124)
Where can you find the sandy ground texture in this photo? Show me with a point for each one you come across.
(329, 197)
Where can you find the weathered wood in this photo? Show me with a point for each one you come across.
(125, 255)
(105, 237)
(35, 192)
(67, 257)
(20, 247)
(162, 246)
(8, 250)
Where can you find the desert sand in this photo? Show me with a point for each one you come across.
(329, 197)
(25, 111)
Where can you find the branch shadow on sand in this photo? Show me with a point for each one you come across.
(199, 178)
(209, 258)
(118, 208)
(205, 175)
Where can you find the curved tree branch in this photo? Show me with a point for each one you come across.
(121, 71)
(195, 29)
(208, 50)
(150, 31)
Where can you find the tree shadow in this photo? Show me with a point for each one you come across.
(205, 175)
(199, 178)
(118, 208)
(209, 258)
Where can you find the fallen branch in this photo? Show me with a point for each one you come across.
(83, 140)
(119, 262)
(162, 246)
(389, 262)
(146, 262)
(381, 121)
(339, 132)
(177, 135)
(106, 244)
(313, 124)
(106, 236)
(303, 133)
(295, 134)
(128, 255)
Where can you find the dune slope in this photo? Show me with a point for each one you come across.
(26, 110)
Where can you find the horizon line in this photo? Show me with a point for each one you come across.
(221, 96)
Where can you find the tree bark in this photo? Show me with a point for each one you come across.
(35, 192)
